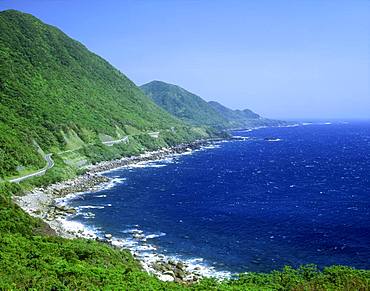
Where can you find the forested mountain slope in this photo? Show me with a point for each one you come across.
(183, 104)
(243, 118)
(194, 110)
(55, 93)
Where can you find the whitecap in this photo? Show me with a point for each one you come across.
(132, 231)
(151, 236)
(274, 140)
(78, 229)
(148, 255)
(240, 137)
(91, 207)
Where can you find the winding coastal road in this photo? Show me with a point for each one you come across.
(112, 142)
(107, 143)
(49, 165)
(50, 162)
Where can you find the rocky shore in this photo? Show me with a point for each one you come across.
(154, 155)
(49, 204)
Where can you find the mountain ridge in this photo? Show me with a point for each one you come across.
(192, 109)
(183, 104)
(244, 119)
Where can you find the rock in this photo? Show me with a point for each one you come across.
(166, 278)
(190, 278)
(108, 236)
(60, 207)
(70, 211)
(102, 240)
(179, 274)
(180, 265)
(178, 280)
(160, 268)
(169, 273)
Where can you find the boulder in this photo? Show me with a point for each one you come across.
(166, 278)
(180, 265)
(70, 211)
(179, 274)
(169, 273)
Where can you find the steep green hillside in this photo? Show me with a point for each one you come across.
(183, 104)
(57, 95)
(243, 118)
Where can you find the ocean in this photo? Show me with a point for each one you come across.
(275, 197)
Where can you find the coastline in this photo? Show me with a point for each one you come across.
(50, 203)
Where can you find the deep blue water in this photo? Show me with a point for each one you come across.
(252, 205)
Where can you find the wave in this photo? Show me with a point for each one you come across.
(135, 240)
(151, 236)
(149, 255)
(274, 140)
(78, 229)
(112, 183)
(88, 215)
(146, 165)
(291, 125)
(141, 244)
(90, 207)
(212, 146)
(241, 137)
(94, 206)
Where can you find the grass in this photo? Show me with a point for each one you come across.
(72, 140)
(23, 172)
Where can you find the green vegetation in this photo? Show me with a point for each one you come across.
(56, 94)
(31, 257)
(183, 104)
(58, 97)
(243, 118)
(194, 110)
(232, 114)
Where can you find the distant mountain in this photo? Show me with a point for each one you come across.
(229, 114)
(184, 104)
(57, 95)
(194, 110)
(243, 118)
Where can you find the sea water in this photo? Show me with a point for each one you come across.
(278, 196)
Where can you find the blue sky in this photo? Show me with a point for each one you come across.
(283, 59)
